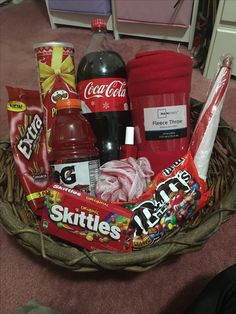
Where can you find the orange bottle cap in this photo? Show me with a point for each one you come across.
(68, 103)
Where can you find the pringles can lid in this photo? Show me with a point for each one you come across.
(53, 44)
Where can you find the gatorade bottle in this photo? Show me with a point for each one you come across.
(73, 156)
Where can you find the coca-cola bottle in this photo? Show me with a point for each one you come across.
(102, 88)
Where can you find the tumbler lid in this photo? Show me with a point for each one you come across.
(68, 103)
(98, 23)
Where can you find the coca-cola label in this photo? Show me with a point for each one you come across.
(103, 95)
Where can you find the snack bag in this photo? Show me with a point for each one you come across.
(175, 196)
(28, 144)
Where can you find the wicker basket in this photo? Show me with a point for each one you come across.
(18, 220)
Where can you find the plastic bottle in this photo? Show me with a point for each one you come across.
(102, 88)
(73, 156)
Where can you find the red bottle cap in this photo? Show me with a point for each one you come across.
(129, 149)
(98, 23)
(68, 103)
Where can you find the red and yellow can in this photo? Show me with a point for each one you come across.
(56, 71)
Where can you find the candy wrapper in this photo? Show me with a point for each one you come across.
(28, 144)
(86, 221)
(175, 196)
(123, 180)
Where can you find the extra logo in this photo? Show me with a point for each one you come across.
(26, 145)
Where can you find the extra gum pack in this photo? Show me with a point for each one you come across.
(27, 135)
(86, 221)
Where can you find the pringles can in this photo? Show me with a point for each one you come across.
(56, 72)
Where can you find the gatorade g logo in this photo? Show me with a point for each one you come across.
(65, 175)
